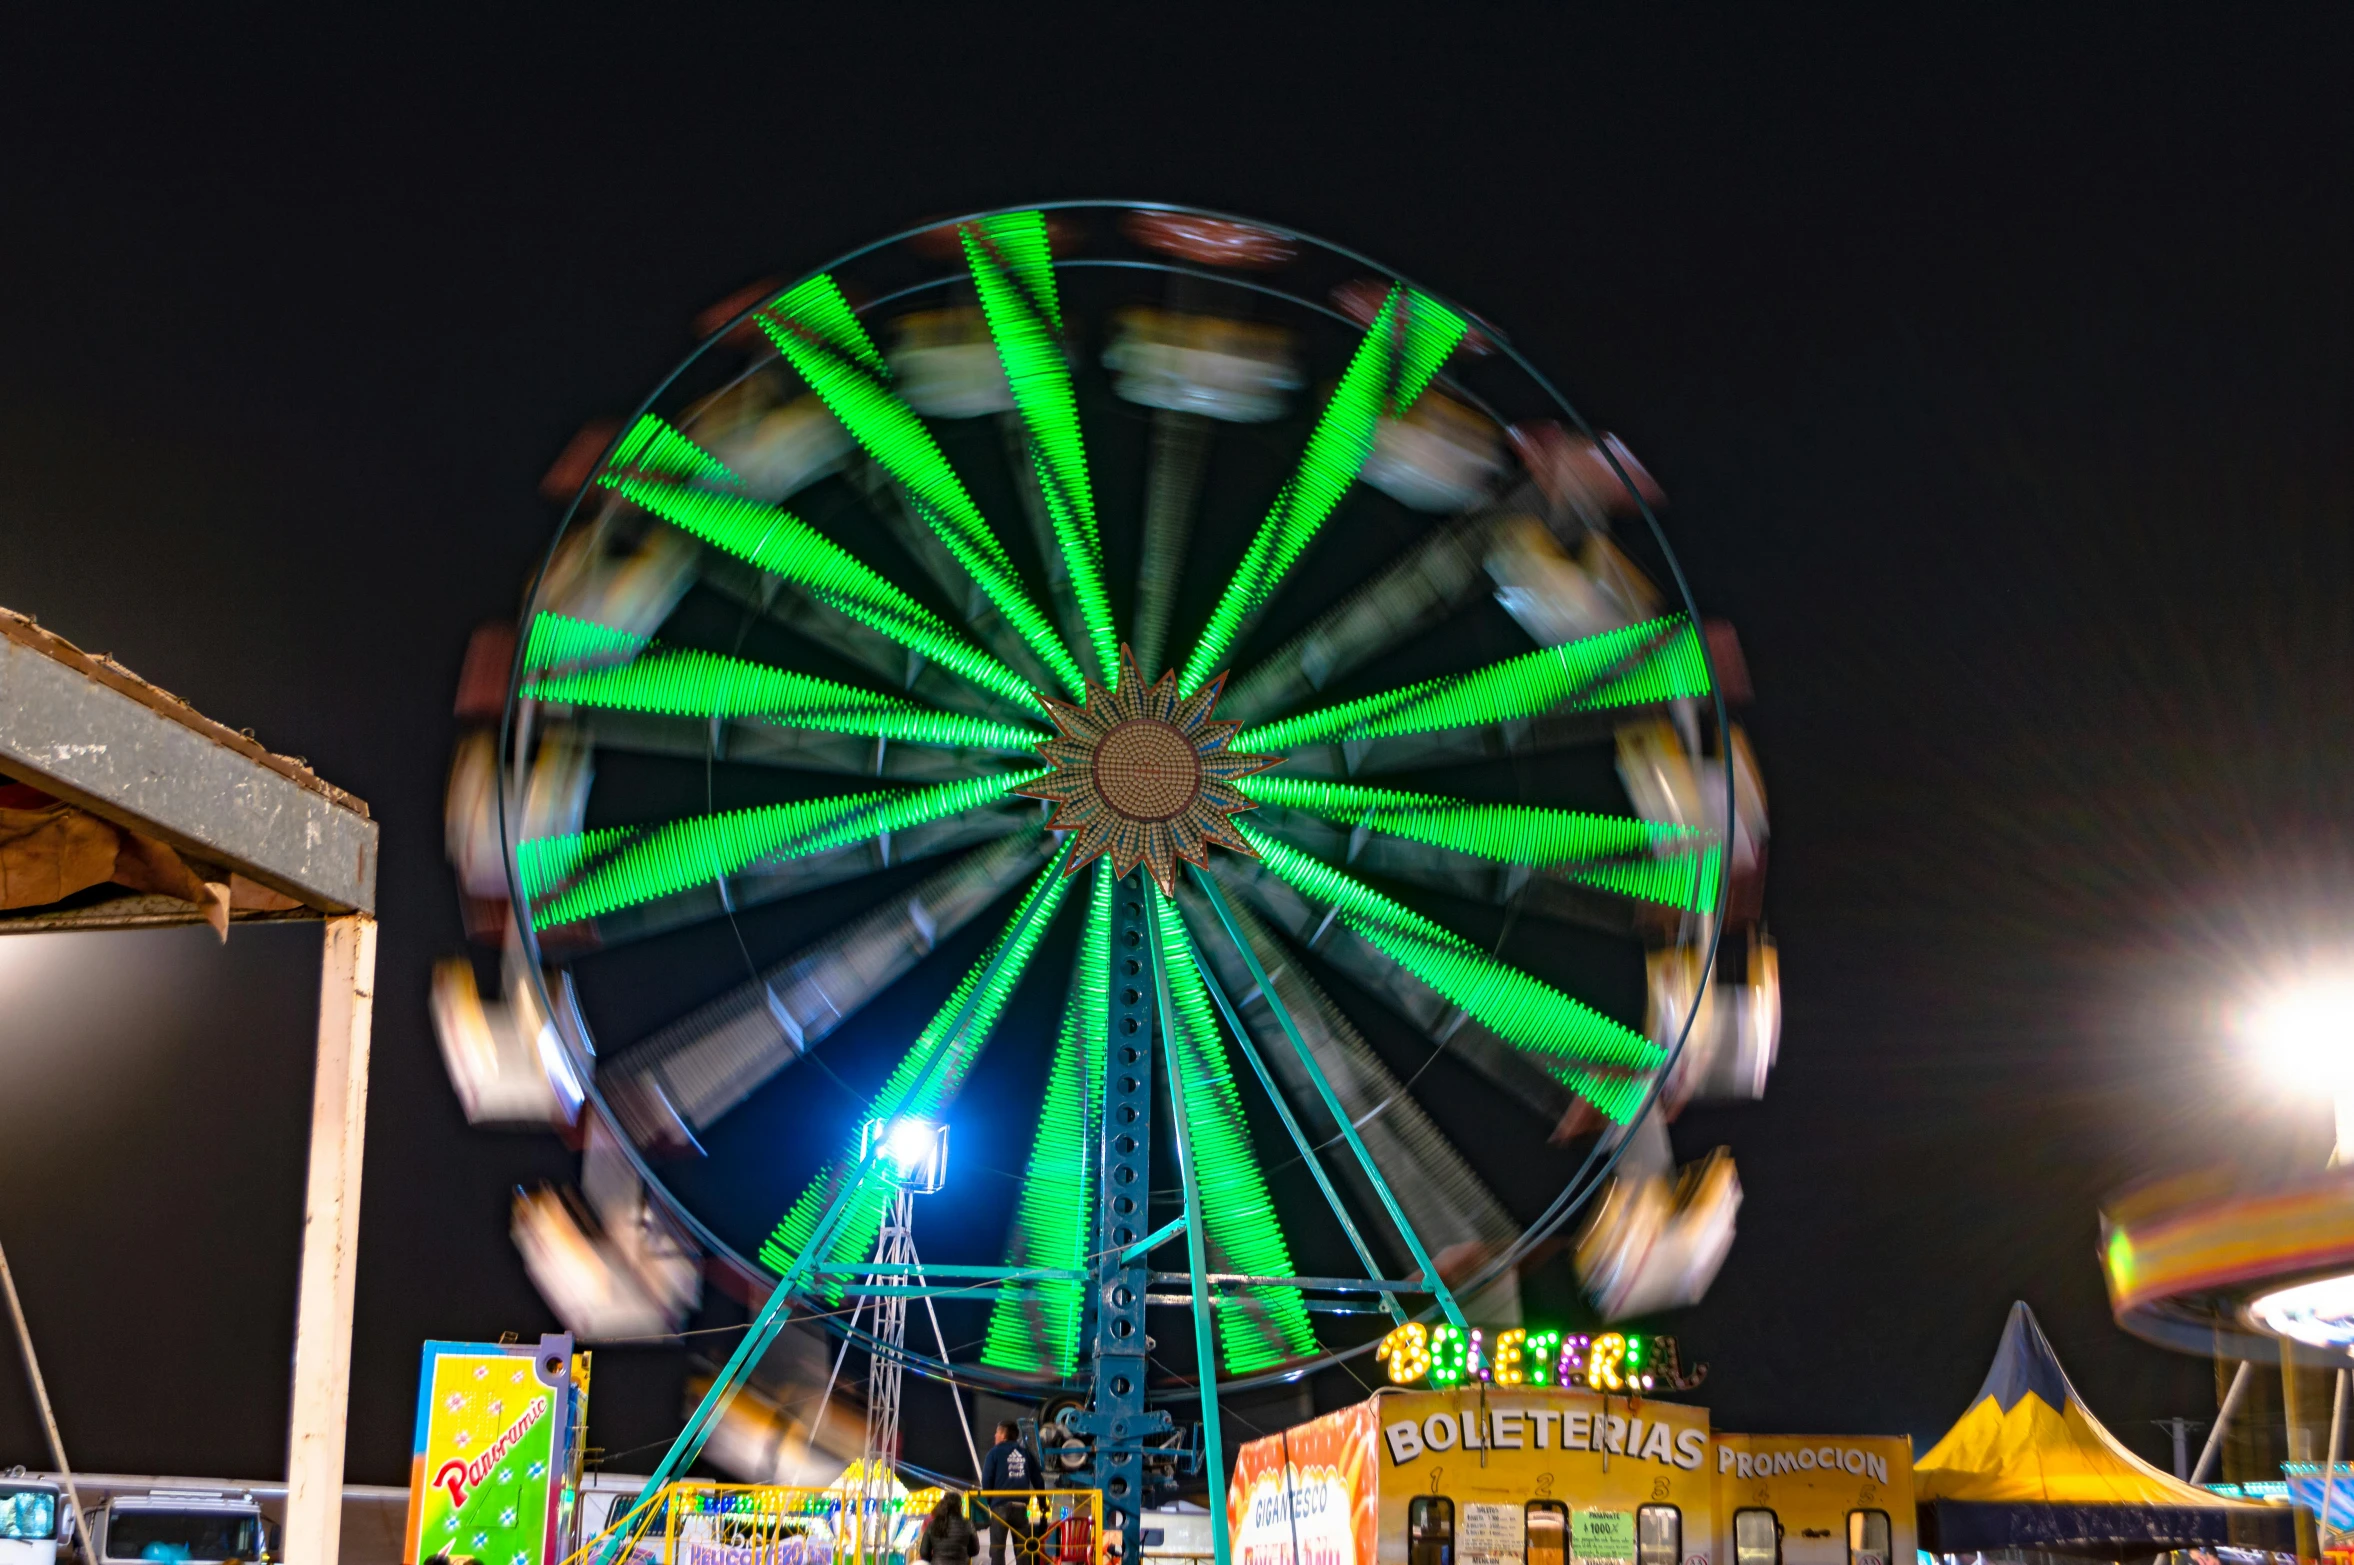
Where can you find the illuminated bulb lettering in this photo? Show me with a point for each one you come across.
(1507, 1370)
(1444, 1356)
(1406, 1351)
(1602, 1362)
(1450, 1356)
(1539, 1353)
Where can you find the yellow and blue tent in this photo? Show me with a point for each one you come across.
(2029, 1467)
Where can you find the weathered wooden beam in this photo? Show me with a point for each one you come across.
(97, 736)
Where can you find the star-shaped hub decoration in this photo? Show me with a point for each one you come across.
(1144, 775)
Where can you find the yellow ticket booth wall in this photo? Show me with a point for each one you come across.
(1542, 1476)
(1525, 1476)
(1813, 1499)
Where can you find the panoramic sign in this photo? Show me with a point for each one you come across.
(489, 1474)
(1611, 1361)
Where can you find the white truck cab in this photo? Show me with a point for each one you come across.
(180, 1527)
(31, 1511)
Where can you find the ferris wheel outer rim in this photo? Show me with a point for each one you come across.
(1567, 1202)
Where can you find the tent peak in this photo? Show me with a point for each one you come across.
(2024, 1363)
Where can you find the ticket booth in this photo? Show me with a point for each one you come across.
(1479, 1474)
(1814, 1499)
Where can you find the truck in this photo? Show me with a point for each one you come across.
(180, 1527)
(32, 1513)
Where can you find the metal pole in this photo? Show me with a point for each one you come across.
(955, 1393)
(1332, 1103)
(2337, 1439)
(24, 1340)
(754, 1343)
(330, 1242)
(1116, 1416)
(1205, 1347)
(2231, 1405)
(1291, 1125)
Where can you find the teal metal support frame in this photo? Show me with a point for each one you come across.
(1205, 1345)
(1150, 1241)
(1291, 1124)
(755, 1342)
(772, 1317)
(1332, 1103)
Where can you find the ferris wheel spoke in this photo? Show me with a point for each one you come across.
(1451, 1209)
(684, 682)
(1034, 1324)
(1259, 1327)
(1557, 1032)
(661, 470)
(1013, 270)
(764, 882)
(1410, 337)
(813, 327)
(1518, 1076)
(1658, 660)
(1490, 850)
(700, 848)
(680, 1080)
(927, 1079)
(1445, 570)
(1446, 1201)
(753, 742)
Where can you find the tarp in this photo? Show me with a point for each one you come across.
(2029, 1467)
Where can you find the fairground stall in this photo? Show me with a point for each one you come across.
(2029, 1467)
(1556, 1448)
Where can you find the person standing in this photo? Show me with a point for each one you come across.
(1010, 1465)
(949, 1538)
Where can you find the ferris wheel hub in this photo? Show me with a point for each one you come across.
(1144, 774)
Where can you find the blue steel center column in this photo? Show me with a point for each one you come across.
(1117, 1419)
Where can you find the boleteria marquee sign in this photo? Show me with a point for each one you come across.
(489, 1474)
(1612, 1361)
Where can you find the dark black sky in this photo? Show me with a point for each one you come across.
(1999, 377)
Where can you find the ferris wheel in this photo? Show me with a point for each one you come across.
(1189, 711)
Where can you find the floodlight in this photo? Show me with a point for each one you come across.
(2320, 1312)
(2306, 1033)
(914, 1152)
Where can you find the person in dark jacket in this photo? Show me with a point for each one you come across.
(1010, 1465)
(949, 1539)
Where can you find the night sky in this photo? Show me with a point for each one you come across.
(1999, 381)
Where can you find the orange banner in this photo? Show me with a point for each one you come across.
(1325, 1499)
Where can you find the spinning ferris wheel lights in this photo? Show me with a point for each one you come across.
(848, 597)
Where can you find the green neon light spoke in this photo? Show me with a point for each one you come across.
(707, 847)
(1524, 1010)
(1014, 273)
(1685, 880)
(814, 329)
(1676, 668)
(1407, 342)
(556, 640)
(1358, 902)
(687, 683)
(1617, 1097)
(926, 1080)
(1530, 685)
(1567, 841)
(543, 863)
(1237, 1211)
(655, 450)
(777, 541)
(1034, 1326)
(1514, 1005)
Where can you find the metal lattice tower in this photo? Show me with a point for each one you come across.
(894, 1267)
